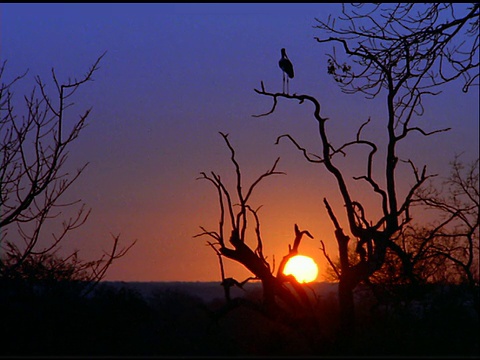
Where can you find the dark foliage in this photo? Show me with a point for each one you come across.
(55, 320)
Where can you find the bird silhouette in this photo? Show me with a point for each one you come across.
(287, 69)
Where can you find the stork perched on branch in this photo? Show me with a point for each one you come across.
(287, 68)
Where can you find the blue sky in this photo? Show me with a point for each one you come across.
(173, 76)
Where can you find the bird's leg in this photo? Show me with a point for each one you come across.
(288, 85)
(283, 83)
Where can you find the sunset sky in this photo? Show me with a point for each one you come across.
(174, 75)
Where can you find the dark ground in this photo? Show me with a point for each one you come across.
(183, 320)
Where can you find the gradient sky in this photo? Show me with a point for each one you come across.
(174, 76)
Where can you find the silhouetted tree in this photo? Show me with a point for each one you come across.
(280, 292)
(451, 245)
(34, 150)
(402, 53)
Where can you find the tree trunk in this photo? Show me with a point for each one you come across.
(347, 308)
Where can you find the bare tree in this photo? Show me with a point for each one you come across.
(282, 294)
(402, 53)
(454, 238)
(33, 180)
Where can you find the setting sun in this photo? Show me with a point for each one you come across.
(303, 268)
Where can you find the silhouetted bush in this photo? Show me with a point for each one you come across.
(55, 320)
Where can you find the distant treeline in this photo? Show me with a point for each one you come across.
(117, 320)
